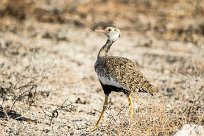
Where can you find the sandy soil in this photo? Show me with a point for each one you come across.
(48, 85)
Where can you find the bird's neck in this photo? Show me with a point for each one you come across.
(105, 49)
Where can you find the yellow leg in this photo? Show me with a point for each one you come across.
(130, 109)
(104, 108)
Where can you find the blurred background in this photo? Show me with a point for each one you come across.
(170, 19)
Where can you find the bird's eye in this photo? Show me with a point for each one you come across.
(109, 29)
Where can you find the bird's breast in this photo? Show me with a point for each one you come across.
(109, 81)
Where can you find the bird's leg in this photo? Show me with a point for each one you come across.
(130, 108)
(102, 113)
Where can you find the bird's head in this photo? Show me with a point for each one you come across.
(112, 32)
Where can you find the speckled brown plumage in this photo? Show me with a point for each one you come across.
(125, 72)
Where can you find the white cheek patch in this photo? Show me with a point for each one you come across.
(110, 81)
(114, 36)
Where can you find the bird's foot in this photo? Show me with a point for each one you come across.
(92, 129)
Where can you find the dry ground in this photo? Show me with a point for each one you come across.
(48, 49)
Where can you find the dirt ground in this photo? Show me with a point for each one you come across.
(48, 48)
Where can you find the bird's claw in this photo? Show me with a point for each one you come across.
(91, 129)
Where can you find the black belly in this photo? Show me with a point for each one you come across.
(109, 88)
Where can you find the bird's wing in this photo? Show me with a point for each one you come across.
(123, 71)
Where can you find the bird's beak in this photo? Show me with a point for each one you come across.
(100, 30)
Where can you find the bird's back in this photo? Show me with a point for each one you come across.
(122, 73)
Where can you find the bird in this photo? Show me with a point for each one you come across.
(118, 74)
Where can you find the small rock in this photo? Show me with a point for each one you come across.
(80, 101)
(190, 130)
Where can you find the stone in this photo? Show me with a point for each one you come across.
(190, 130)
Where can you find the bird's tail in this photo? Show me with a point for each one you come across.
(146, 86)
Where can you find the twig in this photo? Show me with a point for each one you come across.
(55, 113)
(30, 95)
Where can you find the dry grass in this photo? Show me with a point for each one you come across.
(153, 119)
(47, 52)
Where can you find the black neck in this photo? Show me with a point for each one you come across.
(104, 50)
